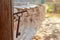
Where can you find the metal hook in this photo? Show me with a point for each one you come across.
(18, 33)
(19, 16)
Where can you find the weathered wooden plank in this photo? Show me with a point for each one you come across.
(6, 32)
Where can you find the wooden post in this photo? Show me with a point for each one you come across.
(6, 23)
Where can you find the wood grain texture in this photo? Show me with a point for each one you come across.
(6, 29)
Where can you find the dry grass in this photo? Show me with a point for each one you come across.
(48, 15)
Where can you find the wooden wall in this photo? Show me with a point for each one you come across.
(6, 29)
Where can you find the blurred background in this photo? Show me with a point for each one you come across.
(40, 21)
